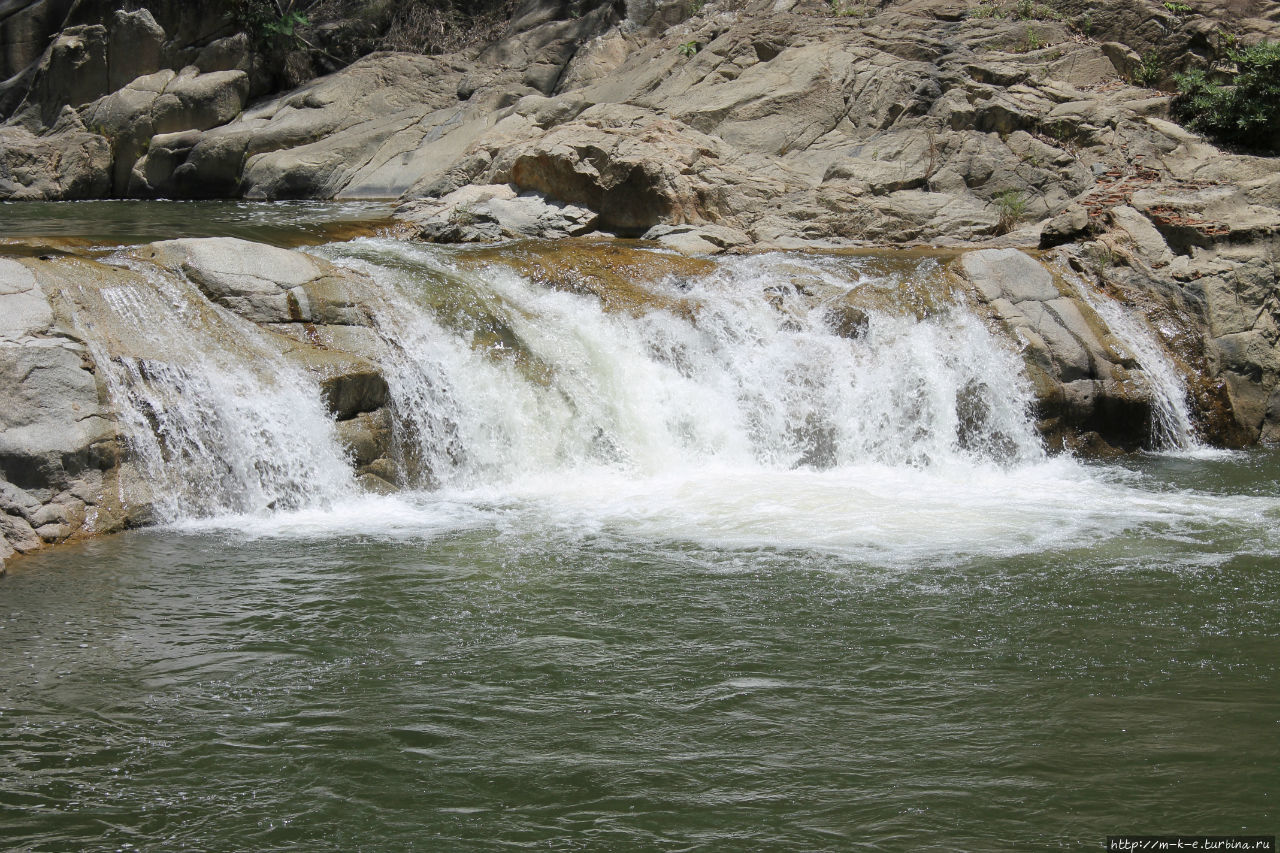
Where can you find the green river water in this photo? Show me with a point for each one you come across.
(717, 657)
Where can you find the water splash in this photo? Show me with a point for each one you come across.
(740, 368)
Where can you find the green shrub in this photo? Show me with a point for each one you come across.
(1150, 72)
(1010, 205)
(689, 48)
(270, 25)
(1244, 113)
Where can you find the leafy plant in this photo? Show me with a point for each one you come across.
(288, 24)
(1011, 205)
(844, 9)
(1150, 71)
(689, 48)
(695, 7)
(1247, 111)
(270, 23)
(1178, 9)
(1033, 40)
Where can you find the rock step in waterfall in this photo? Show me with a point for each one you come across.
(212, 376)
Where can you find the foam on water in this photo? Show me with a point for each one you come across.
(753, 426)
(216, 421)
(728, 414)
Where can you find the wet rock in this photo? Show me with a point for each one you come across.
(367, 436)
(847, 320)
(56, 434)
(265, 284)
(1084, 384)
(697, 239)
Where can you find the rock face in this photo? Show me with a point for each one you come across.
(320, 314)
(58, 447)
(1088, 387)
(910, 120)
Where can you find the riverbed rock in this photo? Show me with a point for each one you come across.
(1089, 390)
(496, 212)
(266, 284)
(57, 433)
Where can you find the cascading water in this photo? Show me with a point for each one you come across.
(215, 420)
(740, 368)
(732, 404)
(1172, 428)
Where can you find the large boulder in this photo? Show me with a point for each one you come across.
(1090, 391)
(266, 284)
(57, 436)
(496, 212)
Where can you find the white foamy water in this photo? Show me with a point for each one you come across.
(216, 421)
(746, 373)
(727, 414)
(881, 515)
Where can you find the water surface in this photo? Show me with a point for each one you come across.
(456, 671)
(123, 223)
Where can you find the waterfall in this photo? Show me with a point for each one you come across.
(1172, 428)
(216, 421)
(496, 375)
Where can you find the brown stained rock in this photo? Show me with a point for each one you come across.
(623, 278)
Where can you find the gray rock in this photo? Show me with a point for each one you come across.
(1089, 394)
(24, 309)
(134, 47)
(263, 283)
(496, 212)
(1008, 274)
(697, 239)
(1067, 227)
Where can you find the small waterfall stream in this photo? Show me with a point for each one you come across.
(1172, 428)
(215, 420)
(739, 368)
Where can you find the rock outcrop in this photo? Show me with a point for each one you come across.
(1089, 390)
(72, 326)
(911, 120)
(66, 467)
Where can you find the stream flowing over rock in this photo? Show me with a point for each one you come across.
(211, 376)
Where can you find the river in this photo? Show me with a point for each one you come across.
(732, 584)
